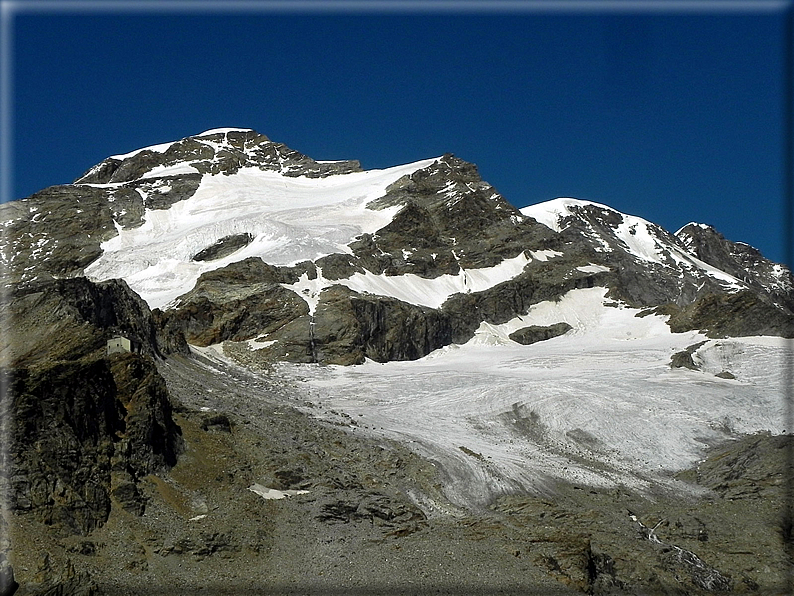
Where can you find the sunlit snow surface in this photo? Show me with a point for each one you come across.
(291, 219)
(599, 406)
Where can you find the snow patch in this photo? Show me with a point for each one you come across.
(161, 148)
(592, 268)
(544, 255)
(272, 493)
(214, 131)
(585, 311)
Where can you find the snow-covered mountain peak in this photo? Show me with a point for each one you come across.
(215, 131)
(606, 228)
(694, 224)
(162, 147)
(239, 237)
(215, 151)
(553, 213)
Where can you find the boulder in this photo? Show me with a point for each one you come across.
(535, 333)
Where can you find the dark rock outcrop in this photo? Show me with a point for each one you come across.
(535, 333)
(224, 247)
(60, 578)
(241, 301)
(755, 466)
(54, 233)
(8, 585)
(731, 315)
(66, 319)
(84, 427)
(739, 260)
(450, 218)
(74, 423)
(348, 327)
(683, 359)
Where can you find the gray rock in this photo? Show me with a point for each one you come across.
(66, 430)
(214, 312)
(56, 232)
(162, 192)
(683, 359)
(535, 333)
(61, 579)
(224, 247)
(738, 314)
(8, 584)
(129, 497)
(740, 260)
(66, 319)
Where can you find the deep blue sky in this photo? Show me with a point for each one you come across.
(674, 117)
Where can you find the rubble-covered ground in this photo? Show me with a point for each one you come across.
(376, 518)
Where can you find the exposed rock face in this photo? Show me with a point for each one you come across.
(8, 585)
(61, 578)
(83, 427)
(450, 218)
(224, 247)
(723, 315)
(74, 423)
(348, 327)
(755, 466)
(683, 359)
(740, 260)
(54, 233)
(241, 301)
(68, 318)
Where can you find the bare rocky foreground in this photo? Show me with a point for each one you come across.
(374, 519)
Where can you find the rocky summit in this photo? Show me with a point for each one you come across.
(230, 367)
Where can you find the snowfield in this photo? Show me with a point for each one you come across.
(291, 219)
(599, 406)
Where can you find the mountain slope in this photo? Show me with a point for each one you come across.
(336, 251)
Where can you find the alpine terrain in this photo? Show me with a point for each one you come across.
(231, 368)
